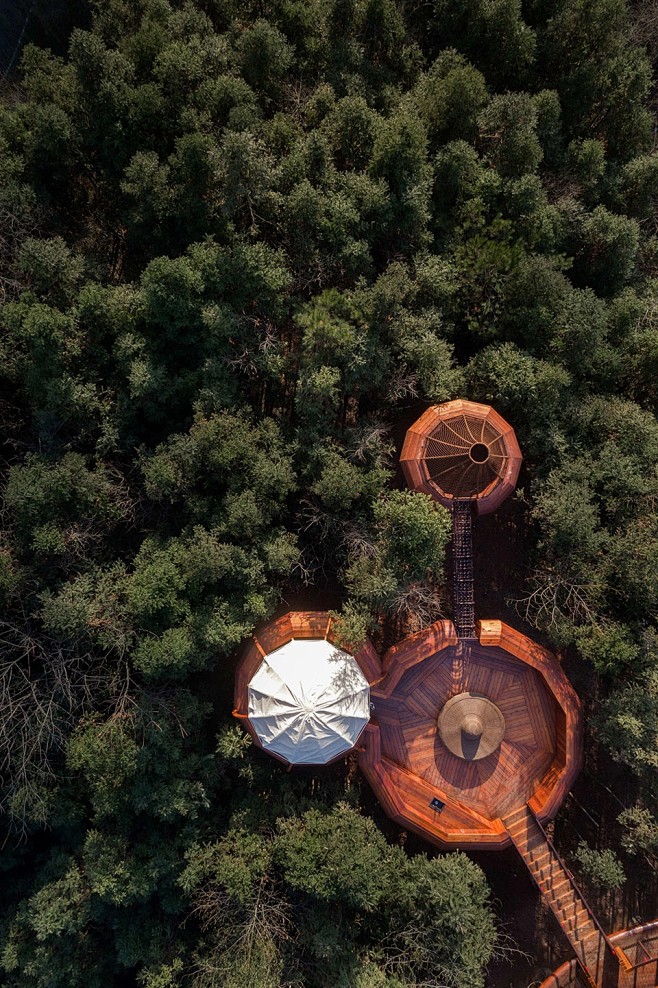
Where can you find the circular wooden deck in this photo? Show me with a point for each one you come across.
(409, 766)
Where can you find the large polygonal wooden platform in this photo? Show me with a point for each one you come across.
(408, 765)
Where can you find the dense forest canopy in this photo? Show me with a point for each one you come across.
(240, 241)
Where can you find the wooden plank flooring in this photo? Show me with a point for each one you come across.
(407, 719)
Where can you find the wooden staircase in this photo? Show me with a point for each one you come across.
(598, 960)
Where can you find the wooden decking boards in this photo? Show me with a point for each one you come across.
(421, 674)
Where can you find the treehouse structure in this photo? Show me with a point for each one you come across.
(462, 451)
(470, 733)
(476, 733)
(304, 700)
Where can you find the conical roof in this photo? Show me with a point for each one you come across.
(471, 726)
(308, 701)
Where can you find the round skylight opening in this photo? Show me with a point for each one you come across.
(479, 453)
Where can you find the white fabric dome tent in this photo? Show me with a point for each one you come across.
(308, 701)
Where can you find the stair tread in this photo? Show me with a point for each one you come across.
(521, 812)
(558, 889)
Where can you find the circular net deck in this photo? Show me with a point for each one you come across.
(465, 455)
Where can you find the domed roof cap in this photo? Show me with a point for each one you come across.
(471, 726)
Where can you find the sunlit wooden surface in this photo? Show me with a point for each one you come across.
(408, 765)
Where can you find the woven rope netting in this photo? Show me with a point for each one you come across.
(465, 455)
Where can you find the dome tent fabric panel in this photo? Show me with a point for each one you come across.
(308, 701)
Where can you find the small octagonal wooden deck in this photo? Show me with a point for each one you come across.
(467, 421)
(408, 766)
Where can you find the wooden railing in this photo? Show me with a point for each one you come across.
(578, 890)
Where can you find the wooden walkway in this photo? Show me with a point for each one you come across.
(639, 945)
(598, 959)
(462, 567)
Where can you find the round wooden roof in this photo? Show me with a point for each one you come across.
(462, 450)
(409, 765)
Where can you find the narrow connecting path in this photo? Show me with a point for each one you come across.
(463, 580)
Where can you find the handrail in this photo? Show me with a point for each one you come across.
(590, 911)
